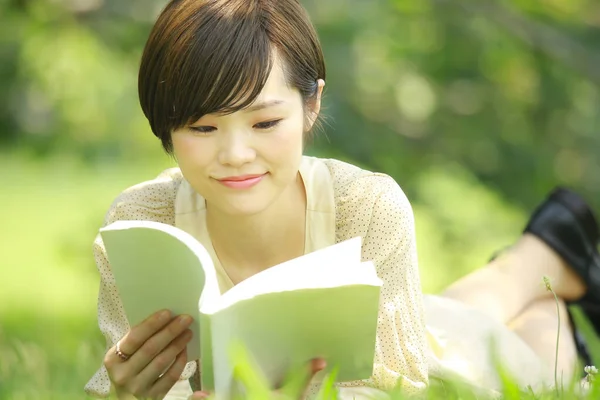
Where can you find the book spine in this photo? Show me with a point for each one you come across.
(206, 354)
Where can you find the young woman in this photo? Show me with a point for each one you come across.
(232, 88)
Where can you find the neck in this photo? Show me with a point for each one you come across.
(246, 245)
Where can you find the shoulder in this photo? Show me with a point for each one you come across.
(367, 201)
(355, 185)
(152, 200)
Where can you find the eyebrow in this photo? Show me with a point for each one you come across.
(263, 105)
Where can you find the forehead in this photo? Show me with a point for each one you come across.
(276, 91)
(276, 86)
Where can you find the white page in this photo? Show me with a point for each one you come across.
(285, 330)
(157, 266)
(332, 266)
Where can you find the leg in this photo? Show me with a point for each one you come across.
(537, 325)
(561, 244)
(513, 281)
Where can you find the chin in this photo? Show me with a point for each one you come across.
(244, 209)
(246, 202)
(246, 205)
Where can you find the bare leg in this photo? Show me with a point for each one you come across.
(511, 290)
(537, 326)
(509, 284)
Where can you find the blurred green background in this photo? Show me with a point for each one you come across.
(478, 108)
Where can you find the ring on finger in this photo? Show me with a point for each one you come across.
(118, 352)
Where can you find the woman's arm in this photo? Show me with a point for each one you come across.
(147, 201)
(388, 231)
(114, 326)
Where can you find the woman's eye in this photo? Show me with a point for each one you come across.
(202, 129)
(267, 125)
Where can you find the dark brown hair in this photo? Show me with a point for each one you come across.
(214, 56)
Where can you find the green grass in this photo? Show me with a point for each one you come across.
(49, 214)
(253, 386)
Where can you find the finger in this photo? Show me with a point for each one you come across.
(316, 365)
(297, 383)
(162, 386)
(162, 362)
(159, 342)
(199, 395)
(135, 338)
(143, 331)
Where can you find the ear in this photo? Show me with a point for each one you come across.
(315, 105)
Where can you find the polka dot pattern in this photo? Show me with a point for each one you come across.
(147, 201)
(373, 206)
(369, 205)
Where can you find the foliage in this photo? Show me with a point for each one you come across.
(502, 93)
(476, 108)
(506, 89)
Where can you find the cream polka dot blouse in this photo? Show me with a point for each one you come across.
(343, 201)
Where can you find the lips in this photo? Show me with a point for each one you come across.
(240, 178)
(241, 181)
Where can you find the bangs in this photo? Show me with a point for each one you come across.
(216, 61)
(215, 56)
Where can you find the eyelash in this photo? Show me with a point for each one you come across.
(261, 125)
(269, 124)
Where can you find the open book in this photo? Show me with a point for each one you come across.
(323, 304)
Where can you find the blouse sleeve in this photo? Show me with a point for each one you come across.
(378, 210)
(143, 202)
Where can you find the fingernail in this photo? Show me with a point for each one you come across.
(185, 320)
(318, 364)
(164, 316)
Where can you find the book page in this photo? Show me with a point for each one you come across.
(283, 331)
(157, 266)
(336, 265)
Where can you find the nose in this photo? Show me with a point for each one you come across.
(236, 149)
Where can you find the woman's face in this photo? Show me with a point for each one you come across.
(242, 162)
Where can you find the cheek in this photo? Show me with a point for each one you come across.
(289, 139)
(191, 152)
(288, 142)
(285, 153)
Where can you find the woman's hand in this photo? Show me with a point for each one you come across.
(149, 360)
(290, 391)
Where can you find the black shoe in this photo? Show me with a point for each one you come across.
(567, 224)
